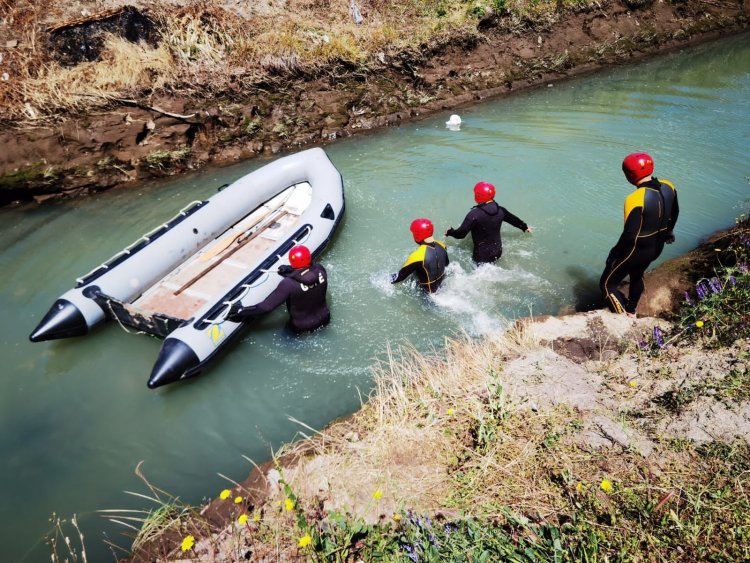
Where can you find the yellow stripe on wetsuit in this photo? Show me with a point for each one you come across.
(419, 255)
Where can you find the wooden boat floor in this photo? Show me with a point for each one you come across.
(165, 296)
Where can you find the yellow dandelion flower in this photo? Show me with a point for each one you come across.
(579, 486)
(377, 494)
(699, 324)
(187, 543)
(450, 412)
(256, 517)
(397, 517)
(225, 494)
(242, 519)
(633, 384)
(305, 540)
(237, 500)
(289, 504)
(606, 485)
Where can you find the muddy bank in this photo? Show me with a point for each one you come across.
(138, 139)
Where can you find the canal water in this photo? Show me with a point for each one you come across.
(76, 415)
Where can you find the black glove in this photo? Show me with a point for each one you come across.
(669, 238)
(285, 270)
(235, 313)
(450, 232)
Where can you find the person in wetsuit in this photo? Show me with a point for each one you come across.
(484, 222)
(650, 215)
(303, 289)
(428, 262)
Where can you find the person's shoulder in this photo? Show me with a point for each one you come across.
(668, 183)
(441, 244)
(416, 255)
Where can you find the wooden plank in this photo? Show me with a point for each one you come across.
(161, 297)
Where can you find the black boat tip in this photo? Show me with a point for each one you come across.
(176, 361)
(61, 321)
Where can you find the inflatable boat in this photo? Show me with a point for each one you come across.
(179, 281)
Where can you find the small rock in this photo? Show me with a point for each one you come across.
(12, 44)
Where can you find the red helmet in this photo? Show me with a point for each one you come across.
(637, 166)
(484, 192)
(421, 229)
(299, 257)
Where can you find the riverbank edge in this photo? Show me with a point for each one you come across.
(126, 145)
(577, 338)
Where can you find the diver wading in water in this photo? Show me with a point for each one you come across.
(650, 215)
(303, 289)
(484, 222)
(428, 262)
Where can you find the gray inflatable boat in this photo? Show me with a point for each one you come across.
(179, 281)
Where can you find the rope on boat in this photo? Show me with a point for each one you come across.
(222, 317)
(119, 322)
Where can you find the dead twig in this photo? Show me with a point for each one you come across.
(141, 105)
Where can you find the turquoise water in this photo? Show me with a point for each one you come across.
(77, 416)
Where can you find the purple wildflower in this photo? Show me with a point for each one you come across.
(410, 553)
(733, 281)
(642, 344)
(742, 267)
(701, 290)
(715, 285)
(687, 298)
(658, 337)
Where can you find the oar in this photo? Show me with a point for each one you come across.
(278, 214)
(220, 247)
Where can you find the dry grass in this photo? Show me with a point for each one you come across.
(124, 67)
(204, 45)
(404, 441)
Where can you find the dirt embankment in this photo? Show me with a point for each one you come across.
(137, 139)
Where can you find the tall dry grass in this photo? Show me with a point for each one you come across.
(124, 67)
(405, 443)
(204, 45)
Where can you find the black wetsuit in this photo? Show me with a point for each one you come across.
(428, 262)
(650, 215)
(484, 222)
(304, 291)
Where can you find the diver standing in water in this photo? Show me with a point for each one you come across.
(303, 289)
(650, 215)
(484, 222)
(428, 262)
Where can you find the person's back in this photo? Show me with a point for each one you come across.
(306, 301)
(303, 289)
(484, 222)
(428, 261)
(656, 199)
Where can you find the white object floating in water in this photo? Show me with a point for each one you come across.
(454, 123)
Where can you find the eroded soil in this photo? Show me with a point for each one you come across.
(134, 140)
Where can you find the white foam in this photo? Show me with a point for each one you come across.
(474, 296)
(382, 282)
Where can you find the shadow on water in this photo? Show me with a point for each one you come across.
(586, 293)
